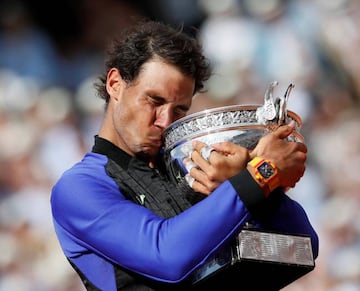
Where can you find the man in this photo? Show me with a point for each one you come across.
(120, 221)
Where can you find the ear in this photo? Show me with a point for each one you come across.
(114, 83)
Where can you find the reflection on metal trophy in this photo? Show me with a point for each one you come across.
(254, 250)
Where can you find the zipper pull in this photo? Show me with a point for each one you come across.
(141, 199)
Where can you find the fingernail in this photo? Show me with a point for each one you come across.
(292, 123)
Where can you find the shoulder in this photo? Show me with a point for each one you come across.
(82, 184)
(92, 165)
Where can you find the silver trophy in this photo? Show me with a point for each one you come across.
(272, 254)
(241, 124)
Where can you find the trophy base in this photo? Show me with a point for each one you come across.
(258, 261)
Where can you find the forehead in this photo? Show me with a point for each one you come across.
(161, 69)
(165, 78)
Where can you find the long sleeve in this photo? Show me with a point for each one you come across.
(98, 226)
(85, 207)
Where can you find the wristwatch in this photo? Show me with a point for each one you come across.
(265, 172)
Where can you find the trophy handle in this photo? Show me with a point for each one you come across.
(283, 105)
(274, 108)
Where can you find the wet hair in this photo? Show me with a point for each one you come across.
(148, 40)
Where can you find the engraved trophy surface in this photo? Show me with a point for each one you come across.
(278, 258)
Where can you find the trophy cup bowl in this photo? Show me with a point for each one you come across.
(240, 124)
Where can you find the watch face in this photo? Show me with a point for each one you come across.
(266, 170)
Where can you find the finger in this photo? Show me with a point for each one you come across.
(285, 130)
(189, 165)
(197, 186)
(205, 152)
(201, 158)
(225, 148)
(198, 145)
(302, 147)
(200, 188)
(229, 148)
(199, 161)
(203, 185)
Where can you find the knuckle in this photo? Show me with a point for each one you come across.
(212, 175)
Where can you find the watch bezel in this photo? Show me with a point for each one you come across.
(270, 183)
(266, 170)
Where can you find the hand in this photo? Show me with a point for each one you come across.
(289, 157)
(226, 160)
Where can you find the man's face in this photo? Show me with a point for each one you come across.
(141, 111)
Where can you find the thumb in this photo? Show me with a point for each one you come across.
(285, 130)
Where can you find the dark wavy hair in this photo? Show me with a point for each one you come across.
(147, 40)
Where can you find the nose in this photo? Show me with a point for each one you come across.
(164, 117)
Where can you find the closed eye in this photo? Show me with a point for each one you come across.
(157, 100)
(181, 111)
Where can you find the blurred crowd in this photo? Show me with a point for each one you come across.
(49, 112)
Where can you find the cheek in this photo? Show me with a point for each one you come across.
(134, 114)
(134, 122)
